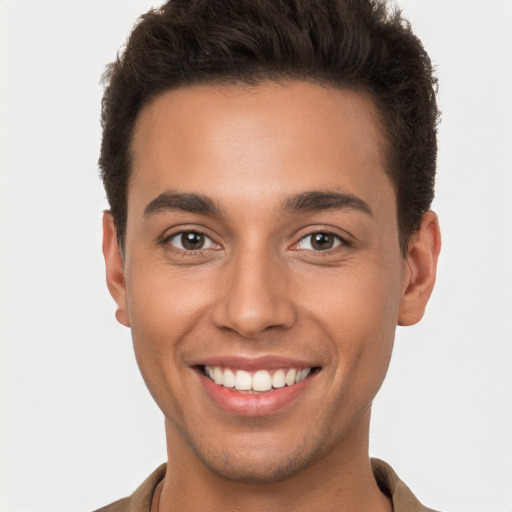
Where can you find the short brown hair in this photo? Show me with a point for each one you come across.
(357, 44)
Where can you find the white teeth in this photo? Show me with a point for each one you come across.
(243, 381)
(217, 375)
(290, 377)
(261, 380)
(278, 379)
(304, 373)
(229, 379)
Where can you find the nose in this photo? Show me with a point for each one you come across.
(253, 296)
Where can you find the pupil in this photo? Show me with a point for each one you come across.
(322, 241)
(192, 241)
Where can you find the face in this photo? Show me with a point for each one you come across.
(262, 276)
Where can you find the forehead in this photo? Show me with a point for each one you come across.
(240, 142)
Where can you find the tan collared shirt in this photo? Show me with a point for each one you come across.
(389, 483)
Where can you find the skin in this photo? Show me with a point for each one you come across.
(259, 288)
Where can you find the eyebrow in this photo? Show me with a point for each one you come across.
(188, 202)
(317, 201)
(311, 201)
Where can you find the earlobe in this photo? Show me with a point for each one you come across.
(114, 268)
(420, 275)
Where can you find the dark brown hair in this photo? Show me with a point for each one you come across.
(357, 44)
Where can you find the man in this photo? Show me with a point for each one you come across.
(269, 167)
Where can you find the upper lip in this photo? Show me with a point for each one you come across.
(266, 362)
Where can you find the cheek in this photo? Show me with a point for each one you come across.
(375, 314)
(161, 315)
(358, 310)
(163, 311)
(356, 296)
(164, 302)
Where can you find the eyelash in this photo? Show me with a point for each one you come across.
(338, 243)
(189, 252)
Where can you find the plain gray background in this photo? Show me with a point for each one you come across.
(78, 428)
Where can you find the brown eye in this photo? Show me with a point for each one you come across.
(322, 241)
(191, 241)
(319, 241)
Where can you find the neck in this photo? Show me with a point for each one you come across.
(340, 481)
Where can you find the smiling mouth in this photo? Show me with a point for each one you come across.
(257, 381)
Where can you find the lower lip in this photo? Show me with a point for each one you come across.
(254, 404)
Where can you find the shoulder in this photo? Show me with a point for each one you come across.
(140, 500)
(117, 506)
(390, 484)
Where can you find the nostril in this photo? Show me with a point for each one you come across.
(252, 316)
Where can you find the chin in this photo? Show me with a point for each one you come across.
(259, 464)
(254, 471)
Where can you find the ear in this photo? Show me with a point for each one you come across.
(420, 274)
(114, 268)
